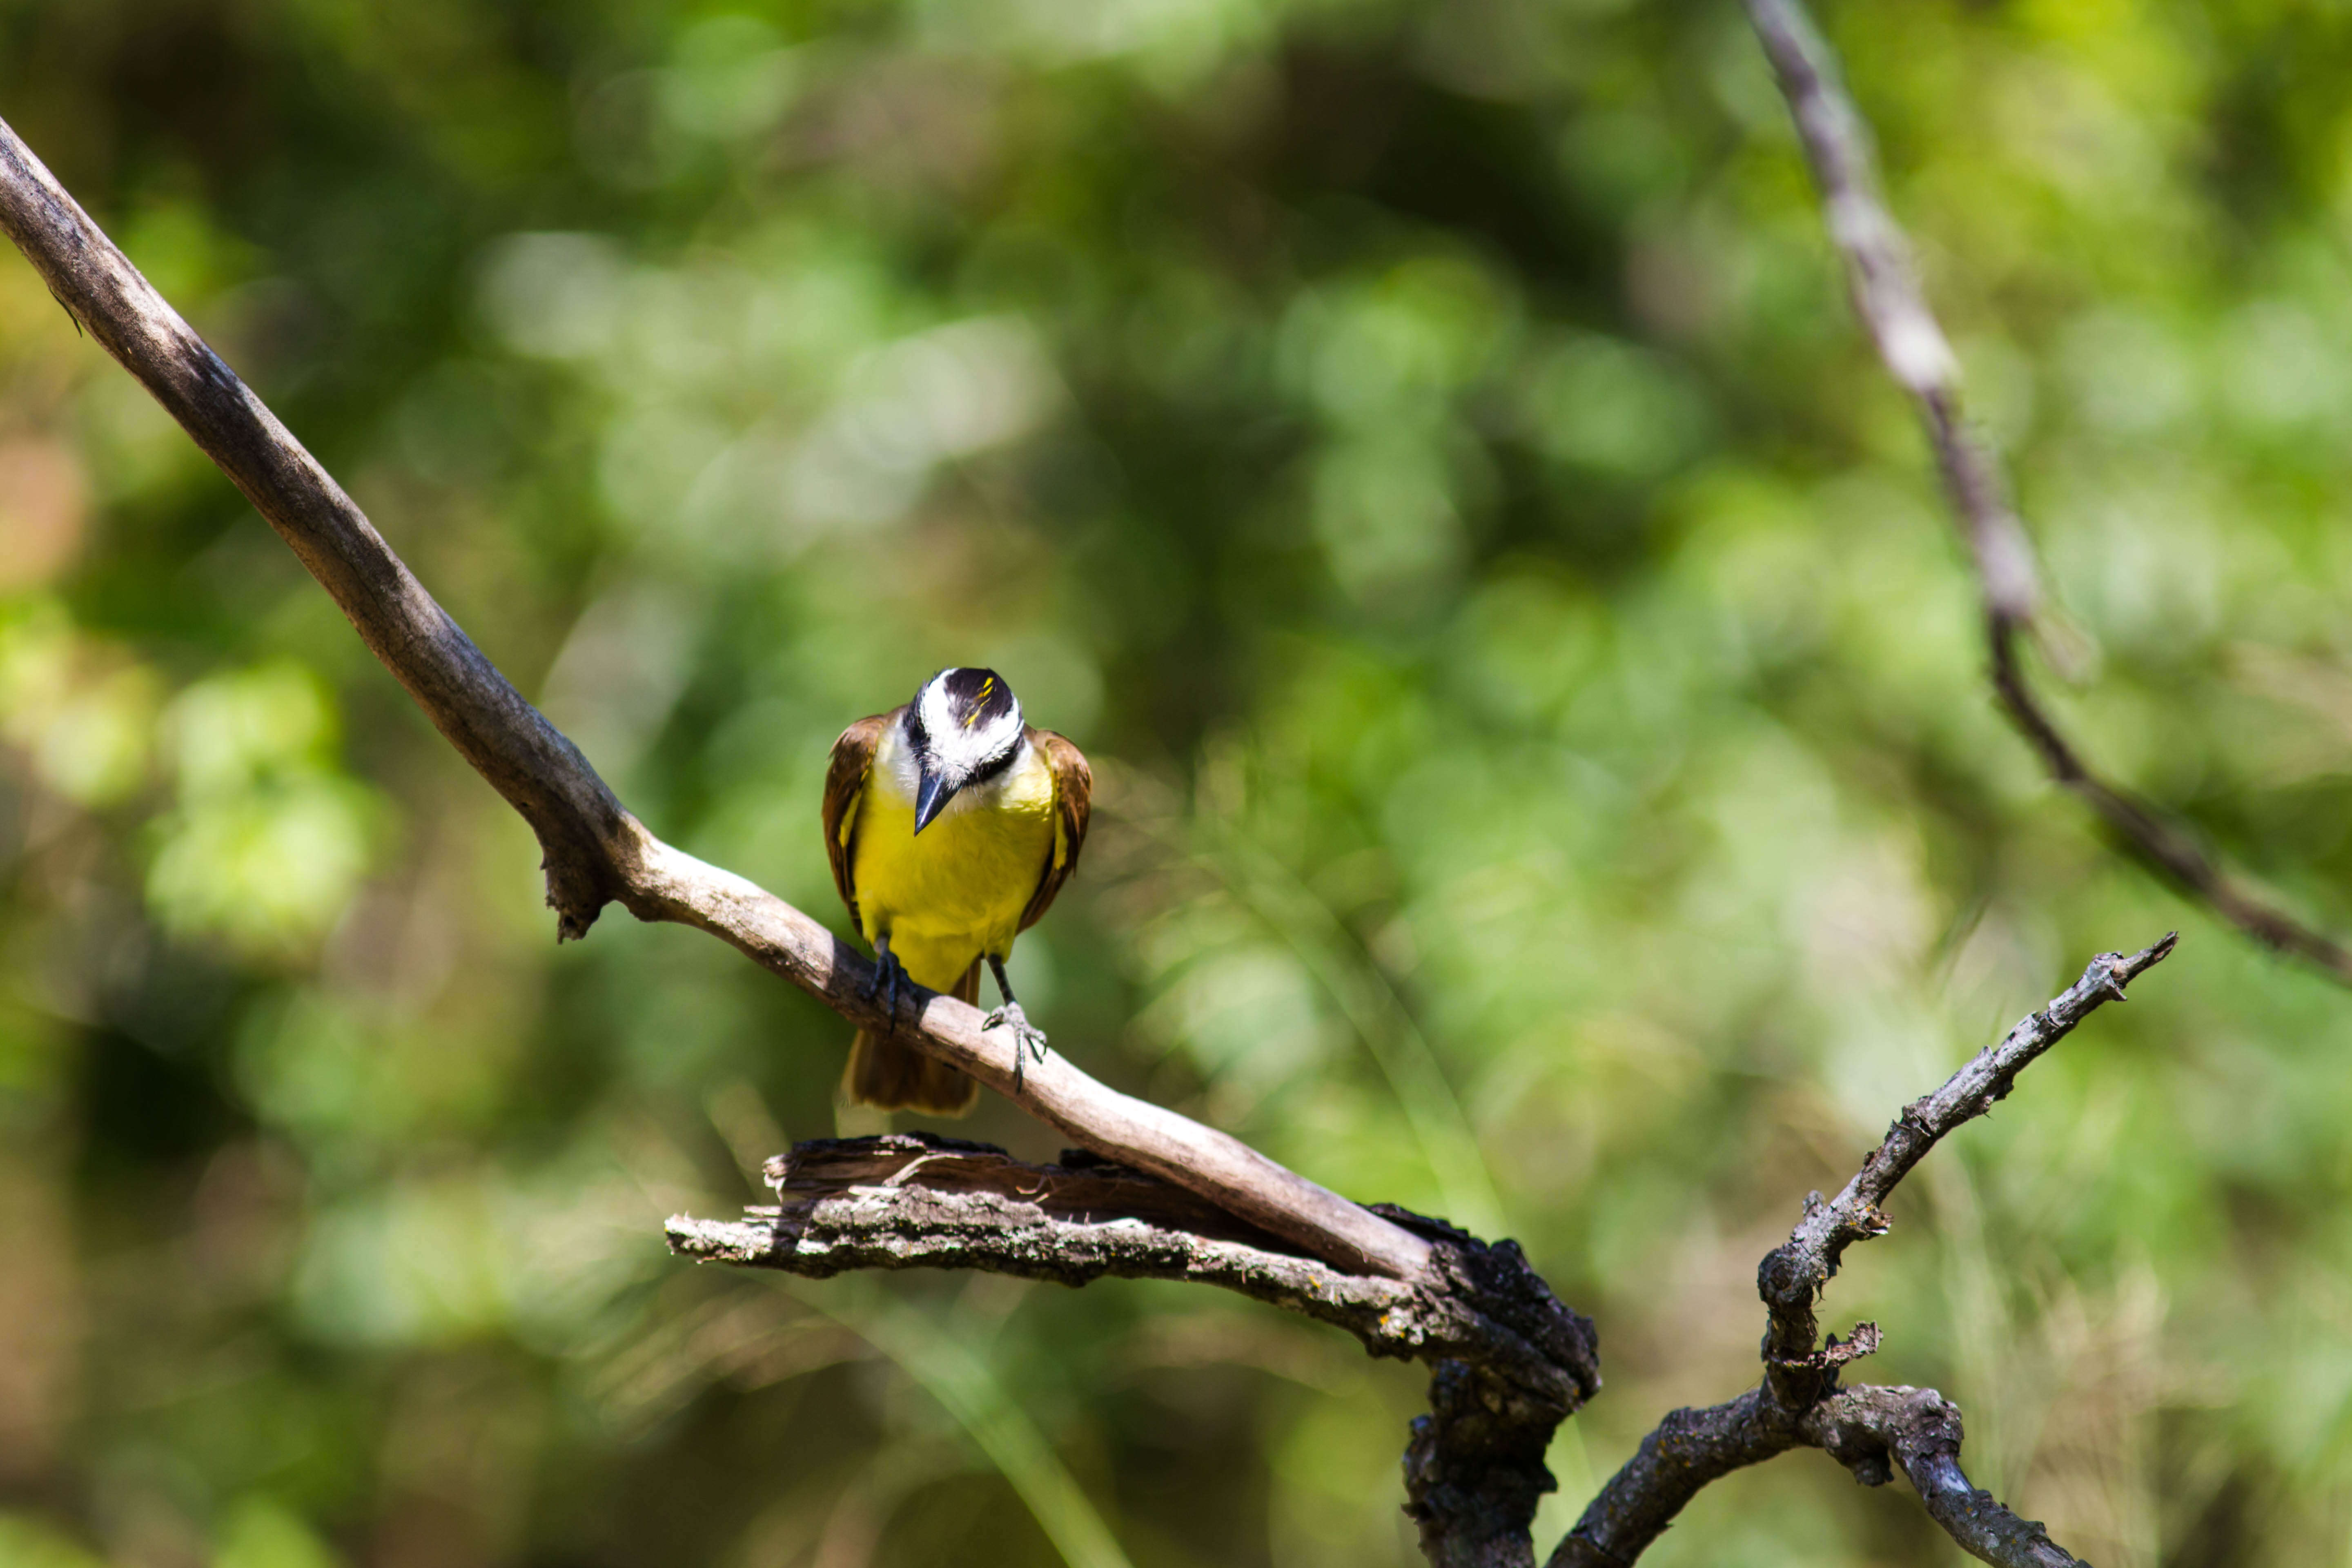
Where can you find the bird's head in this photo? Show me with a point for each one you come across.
(965, 726)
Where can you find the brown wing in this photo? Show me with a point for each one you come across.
(1074, 797)
(845, 780)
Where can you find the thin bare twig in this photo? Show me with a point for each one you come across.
(1793, 1276)
(1872, 1431)
(1887, 297)
(594, 851)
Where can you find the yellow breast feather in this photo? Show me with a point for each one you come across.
(958, 891)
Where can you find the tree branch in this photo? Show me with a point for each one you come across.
(1871, 1431)
(1680, 1457)
(1475, 1472)
(1510, 1362)
(594, 851)
(1792, 1276)
(1919, 1430)
(908, 1200)
(1887, 297)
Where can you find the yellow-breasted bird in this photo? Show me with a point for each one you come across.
(951, 824)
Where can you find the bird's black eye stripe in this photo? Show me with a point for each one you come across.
(915, 730)
(996, 764)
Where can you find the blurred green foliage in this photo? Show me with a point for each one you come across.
(1424, 455)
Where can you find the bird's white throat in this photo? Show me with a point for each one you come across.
(899, 771)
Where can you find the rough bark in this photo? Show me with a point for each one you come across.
(1681, 1456)
(1474, 1471)
(1874, 1431)
(909, 1200)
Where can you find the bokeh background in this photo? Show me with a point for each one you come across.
(1422, 452)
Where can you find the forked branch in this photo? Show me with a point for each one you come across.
(1874, 1432)
(1793, 1277)
(1886, 296)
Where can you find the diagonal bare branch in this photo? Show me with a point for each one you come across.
(1887, 297)
(1681, 1456)
(594, 851)
(1792, 1276)
(1871, 1431)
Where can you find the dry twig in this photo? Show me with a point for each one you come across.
(1871, 1431)
(1887, 297)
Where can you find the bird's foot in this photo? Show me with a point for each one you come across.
(1028, 1040)
(889, 977)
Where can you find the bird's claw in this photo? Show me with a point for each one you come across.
(1028, 1040)
(888, 975)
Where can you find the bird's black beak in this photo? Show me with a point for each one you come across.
(931, 798)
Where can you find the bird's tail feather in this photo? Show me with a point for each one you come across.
(892, 1075)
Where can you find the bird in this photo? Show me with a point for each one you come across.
(951, 824)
